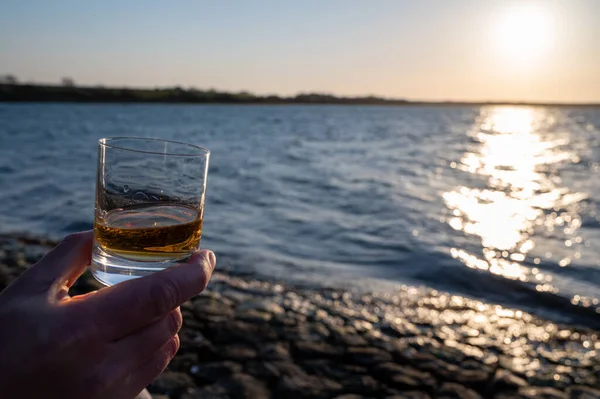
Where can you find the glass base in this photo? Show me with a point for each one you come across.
(110, 269)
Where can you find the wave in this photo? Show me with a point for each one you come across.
(314, 191)
(577, 271)
(524, 295)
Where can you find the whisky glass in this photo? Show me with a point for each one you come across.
(149, 206)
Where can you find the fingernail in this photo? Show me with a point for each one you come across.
(212, 259)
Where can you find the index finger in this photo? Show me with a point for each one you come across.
(131, 305)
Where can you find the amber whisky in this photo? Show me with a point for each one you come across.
(149, 232)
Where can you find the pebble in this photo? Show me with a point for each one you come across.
(214, 371)
(582, 392)
(316, 349)
(303, 386)
(504, 380)
(206, 306)
(541, 393)
(244, 386)
(237, 352)
(451, 390)
(171, 383)
(405, 376)
(254, 316)
(260, 305)
(274, 351)
(368, 356)
(410, 395)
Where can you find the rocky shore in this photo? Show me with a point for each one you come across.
(248, 338)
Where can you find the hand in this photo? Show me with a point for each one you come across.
(109, 343)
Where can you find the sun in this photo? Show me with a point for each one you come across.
(524, 33)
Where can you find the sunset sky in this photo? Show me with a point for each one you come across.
(528, 50)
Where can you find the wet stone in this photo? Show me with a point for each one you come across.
(354, 379)
(214, 391)
(237, 352)
(448, 354)
(349, 339)
(506, 381)
(243, 386)
(541, 393)
(286, 319)
(235, 331)
(407, 354)
(311, 349)
(582, 392)
(368, 355)
(363, 384)
(320, 330)
(405, 376)
(206, 306)
(171, 383)
(303, 386)
(265, 306)
(287, 368)
(274, 351)
(456, 391)
(264, 290)
(548, 378)
(265, 371)
(409, 395)
(206, 373)
(237, 296)
(205, 350)
(473, 376)
(473, 373)
(254, 316)
(304, 333)
(184, 361)
(361, 326)
(400, 329)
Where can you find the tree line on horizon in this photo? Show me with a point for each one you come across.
(11, 90)
(14, 91)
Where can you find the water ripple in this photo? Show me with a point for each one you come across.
(491, 202)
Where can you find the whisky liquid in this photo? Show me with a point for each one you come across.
(149, 232)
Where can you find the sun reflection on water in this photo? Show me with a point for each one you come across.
(521, 194)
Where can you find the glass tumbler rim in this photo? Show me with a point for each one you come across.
(107, 142)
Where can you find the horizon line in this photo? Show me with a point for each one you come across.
(329, 97)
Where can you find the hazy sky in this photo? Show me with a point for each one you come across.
(537, 50)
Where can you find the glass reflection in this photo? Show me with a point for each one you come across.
(520, 194)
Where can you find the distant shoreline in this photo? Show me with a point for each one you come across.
(19, 93)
